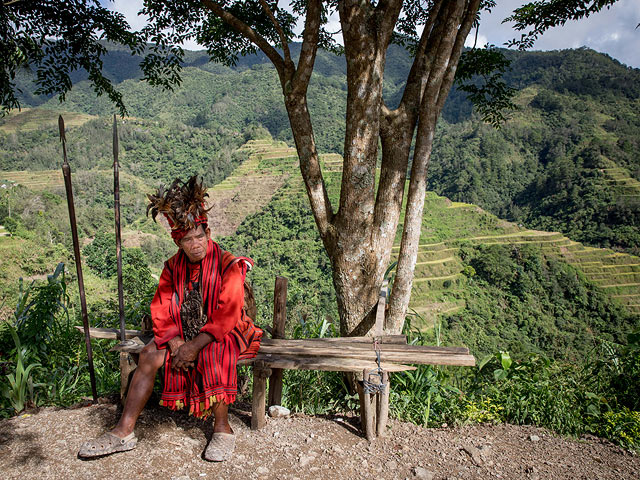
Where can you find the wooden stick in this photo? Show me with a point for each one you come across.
(382, 413)
(279, 321)
(110, 333)
(380, 310)
(330, 364)
(384, 339)
(368, 412)
(127, 366)
(320, 343)
(260, 374)
(390, 341)
(116, 211)
(66, 172)
(420, 358)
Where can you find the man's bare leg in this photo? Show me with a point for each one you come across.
(151, 359)
(221, 418)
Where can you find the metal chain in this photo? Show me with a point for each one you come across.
(375, 387)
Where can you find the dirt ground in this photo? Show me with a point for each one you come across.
(44, 445)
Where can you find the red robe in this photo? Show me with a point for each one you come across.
(214, 376)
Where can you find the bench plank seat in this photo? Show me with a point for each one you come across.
(324, 363)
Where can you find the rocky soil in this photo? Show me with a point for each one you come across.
(44, 445)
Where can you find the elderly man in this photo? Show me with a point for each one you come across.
(200, 329)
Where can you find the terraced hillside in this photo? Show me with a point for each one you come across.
(29, 119)
(447, 226)
(251, 185)
(625, 186)
(37, 181)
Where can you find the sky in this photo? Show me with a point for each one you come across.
(611, 31)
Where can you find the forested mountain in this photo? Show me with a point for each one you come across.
(567, 160)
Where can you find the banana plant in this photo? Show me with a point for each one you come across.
(20, 388)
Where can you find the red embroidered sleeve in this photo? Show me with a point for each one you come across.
(230, 301)
(164, 329)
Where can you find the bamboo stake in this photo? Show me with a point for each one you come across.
(66, 172)
(116, 207)
(279, 320)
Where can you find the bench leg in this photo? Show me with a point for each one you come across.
(368, 407)
(382, 413)
(128, 364)
(260, 375)
(275, 387)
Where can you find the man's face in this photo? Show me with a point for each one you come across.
(194, 243)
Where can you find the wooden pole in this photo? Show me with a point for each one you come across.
(378, 329)
(382, 413)
(260, 374)
(368, 411)
(66, 172)
(116, 208)
(279, 321)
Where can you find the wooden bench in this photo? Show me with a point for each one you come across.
(344, 354)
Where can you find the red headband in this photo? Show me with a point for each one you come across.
(178, 233)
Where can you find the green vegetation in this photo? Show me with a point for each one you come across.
(566, 162)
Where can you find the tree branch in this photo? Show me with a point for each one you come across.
(413, 89)
(456, 25)
(249, 33)
(309, 48)
(465, 28)
(387, 12)
(278, 27)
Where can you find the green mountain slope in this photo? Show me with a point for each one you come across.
(560, 163)
(550, 167)
(461, 282)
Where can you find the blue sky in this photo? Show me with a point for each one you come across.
(612, 31)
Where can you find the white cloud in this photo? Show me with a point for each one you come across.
(130, 9)
(612, 31)
(479, 42)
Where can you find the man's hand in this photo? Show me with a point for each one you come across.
(184, 354)
(178, 361)
(174, 344)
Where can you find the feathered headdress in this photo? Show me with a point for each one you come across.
(182, 204)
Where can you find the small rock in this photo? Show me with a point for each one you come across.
(275, 434)
(474, 453)
(305, 460)
(277, 411)
(392, 465)
(534, 438)
(262, 470)
(422, 473)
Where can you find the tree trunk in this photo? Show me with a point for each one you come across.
(359, 237)
(459, 20)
